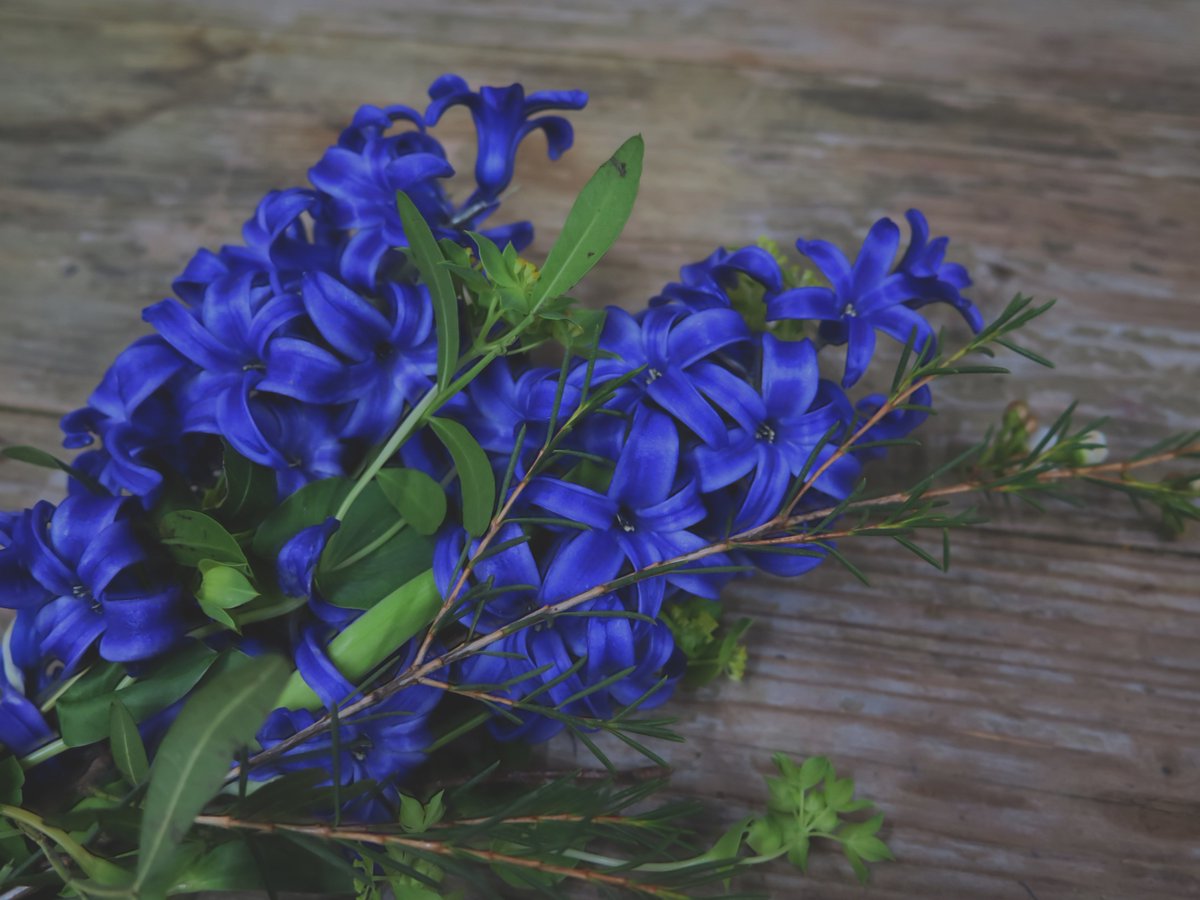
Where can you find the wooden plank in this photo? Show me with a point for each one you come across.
(1027, 722)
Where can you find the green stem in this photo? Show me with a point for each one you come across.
(43, 753)
(100, 869)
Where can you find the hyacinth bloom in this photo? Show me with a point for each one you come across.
(643, 517)
(388, 353)
(382, 745)
(504, 116)
(83, 557)
(705, 284)
(869, 295)
(789, 420)
(674, 348)
(940, 281)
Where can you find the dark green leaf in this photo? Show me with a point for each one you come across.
(83, 717)
(40, 458)
(192, 537)
(250, 489)
(415, 496)
(232, 867)
(424, 251)
(12, 779)
(128, 751)
(594, 222)
(311, 505)
(474, 472)
(218, 720)
(371, 577)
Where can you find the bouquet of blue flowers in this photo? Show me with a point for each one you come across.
(378, 501)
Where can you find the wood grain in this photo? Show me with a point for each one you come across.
(1027, 722)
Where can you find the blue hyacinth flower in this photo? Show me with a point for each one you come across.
(503, 117)
(676, 350)
(796, 419)
(92, 567)
(387, 353)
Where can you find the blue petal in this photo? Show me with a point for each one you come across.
(571, 501)
(352, 325)
(678, 396)
(859, 350)
(646, 468)
(789, 375)
(580, 563)
(297, 561)
(831, 261)
(804, 303)
(141, 626)
(876, 256)
(704, 333)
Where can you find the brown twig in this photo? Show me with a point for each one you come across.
(361, 836)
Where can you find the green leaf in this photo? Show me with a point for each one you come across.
(372, 637)
(372, 577)
(474, 472)
(223, 588)
(594, 222)
(424, 251)
(43, 460)
(83, 711)
(12, 779)
(128, 751)
(250, 489)
(273, 864)
(311, 505)
(218, 720)
(415, 496)
(192, 537)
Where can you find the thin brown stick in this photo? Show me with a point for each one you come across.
(748, 538)
(331, 833)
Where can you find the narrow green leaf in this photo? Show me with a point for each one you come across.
(250, 489)
(192, 537)
(594, 222)
(83, 715)
(12, 780)
(36, 457)
(128, 751)
(415, 496)
(194, 756)
(425, 252)
(474, 472)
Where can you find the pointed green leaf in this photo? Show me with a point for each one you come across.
(128, 751)
(218, 720)
(36, 457)
(416, 496)
(250, 489)
(474, 472)
(223, 586)
(83, 715)
(594, 222)
(424, 251)
(192, 537)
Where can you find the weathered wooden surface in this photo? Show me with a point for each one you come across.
(1029, 722)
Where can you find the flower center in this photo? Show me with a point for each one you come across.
(850, 312)
(625, 523)
(652, 375)
(766, 433)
